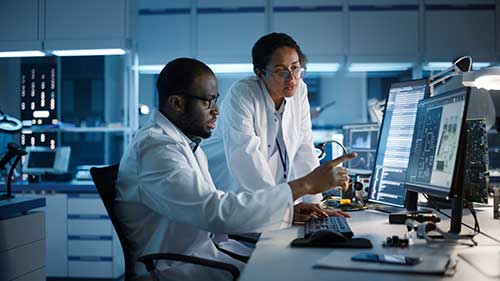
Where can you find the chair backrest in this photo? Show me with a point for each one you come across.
(105, 181)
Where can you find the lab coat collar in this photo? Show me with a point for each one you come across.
(267, 97)
(170, 129)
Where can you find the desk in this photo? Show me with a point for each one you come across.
(274, 259)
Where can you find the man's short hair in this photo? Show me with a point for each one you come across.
(178, 77)
(265, 47)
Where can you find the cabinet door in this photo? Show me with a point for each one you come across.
(227, 30)
(56, 235)
(19, 22)
(317, 26)
(457, 28)
(387, 31)
(164, 31)
(85, 24)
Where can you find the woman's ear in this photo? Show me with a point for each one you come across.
(259, 73)
(176, 103)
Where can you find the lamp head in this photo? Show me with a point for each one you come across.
(486, 78)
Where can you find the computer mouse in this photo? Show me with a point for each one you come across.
(326, 236)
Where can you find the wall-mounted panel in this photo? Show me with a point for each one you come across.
(68, 20)
(317, 26)
(19, 25)
(164, 33)
(388, 30)
(227, 30)
(453, 30)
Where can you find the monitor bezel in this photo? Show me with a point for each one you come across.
(61, 160)
(407, 83)
(456, 182)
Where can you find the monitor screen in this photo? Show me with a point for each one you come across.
(433, 160)
(362, 139)
(393, 151)
(42, 159)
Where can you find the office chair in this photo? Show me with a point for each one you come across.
(105, 180)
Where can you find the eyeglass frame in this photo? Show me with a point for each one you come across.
(301, 71)
(212, 102)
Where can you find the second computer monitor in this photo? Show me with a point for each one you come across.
(433, 164)
(394, 145)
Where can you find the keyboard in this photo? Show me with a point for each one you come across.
(338, 224)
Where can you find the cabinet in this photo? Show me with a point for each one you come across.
(73, 24)
(227, 30)
(65, 24)
(387, 31)
(80, 239)
(457, 28)
(164, 31)
(317, 26)
(16, 34)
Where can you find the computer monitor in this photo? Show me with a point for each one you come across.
(393, 150)
(437, 150)
(362, 139)
(41, 160)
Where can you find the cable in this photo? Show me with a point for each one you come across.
(464, 224)
(322, 145)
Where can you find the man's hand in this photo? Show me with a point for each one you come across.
(323, 178)
(303, 212)
(334, 213)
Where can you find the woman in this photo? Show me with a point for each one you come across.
(265, 126)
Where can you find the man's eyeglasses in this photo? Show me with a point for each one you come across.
(286, 74)
(211, 101)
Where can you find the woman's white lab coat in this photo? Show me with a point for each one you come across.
(248, 129)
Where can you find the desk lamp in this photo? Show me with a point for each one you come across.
(10, 124)
(458, 67)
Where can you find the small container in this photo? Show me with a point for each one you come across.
(496, 202)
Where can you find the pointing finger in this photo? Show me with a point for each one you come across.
(343, 158)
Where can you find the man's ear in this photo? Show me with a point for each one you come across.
(259, 73)
(176, 103)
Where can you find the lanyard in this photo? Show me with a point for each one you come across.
(282, 158)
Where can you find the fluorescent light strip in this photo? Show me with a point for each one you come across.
(222, 68)
(323, 67)
(371, 67)
(231, 67)
(22, 54)
(89, 52)
(439, 66)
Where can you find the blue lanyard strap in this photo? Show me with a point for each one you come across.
(282, 158)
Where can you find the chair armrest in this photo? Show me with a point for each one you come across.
(149, 262)
(252, 238)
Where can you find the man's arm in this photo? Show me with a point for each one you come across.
(171, 187)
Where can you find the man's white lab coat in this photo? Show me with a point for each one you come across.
(239, 152)
(168, 202)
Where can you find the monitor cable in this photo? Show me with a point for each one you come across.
(476, 227)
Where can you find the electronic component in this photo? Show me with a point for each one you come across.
(476, 162)
(400, 218)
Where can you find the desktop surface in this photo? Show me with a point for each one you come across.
(275, 259)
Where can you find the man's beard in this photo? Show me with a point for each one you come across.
(192, 127)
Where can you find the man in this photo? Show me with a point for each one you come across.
(165, 195)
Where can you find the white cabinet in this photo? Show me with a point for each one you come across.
(227, 30)
(73, 24)
(164, 31)
(92, 241)
(19, 25)
(387, 30)
(317, 26)
(457, 28)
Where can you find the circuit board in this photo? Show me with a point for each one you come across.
(476, 165)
